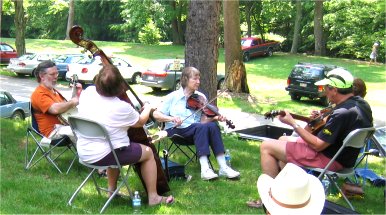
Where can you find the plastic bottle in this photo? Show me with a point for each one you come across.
(228, 157)
(136, 203)
(326, 185)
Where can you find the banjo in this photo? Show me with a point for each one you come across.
(73, 111)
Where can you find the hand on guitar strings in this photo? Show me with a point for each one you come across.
(287, 118)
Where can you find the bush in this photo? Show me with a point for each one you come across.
(150, 34)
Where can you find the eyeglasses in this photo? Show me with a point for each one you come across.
(55, 74)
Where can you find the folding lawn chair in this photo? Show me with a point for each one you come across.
(50, 150)
(90, 129)
(356, 139)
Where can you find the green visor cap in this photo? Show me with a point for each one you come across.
(338, 78)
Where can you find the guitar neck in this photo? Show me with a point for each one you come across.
(301, 118)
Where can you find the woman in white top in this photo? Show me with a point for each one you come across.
(100, 103)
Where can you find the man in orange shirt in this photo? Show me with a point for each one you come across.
(48, 103)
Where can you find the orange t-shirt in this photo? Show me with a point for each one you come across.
(41, 100)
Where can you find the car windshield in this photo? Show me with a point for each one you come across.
(246, 42)
(63, 58)
(306, 72)
(86, 60)
(27, 57)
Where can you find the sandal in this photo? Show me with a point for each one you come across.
(164, 200)
(255, 204)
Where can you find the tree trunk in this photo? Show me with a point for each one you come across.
(318, 27)
(201, 47)
(20, 24)
(235, 68)
(70, 20)
(177, 32)
(298, 19)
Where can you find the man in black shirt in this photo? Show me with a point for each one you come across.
(350, 112)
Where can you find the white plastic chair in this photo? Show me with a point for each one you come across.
(90, 129)
(357, 139)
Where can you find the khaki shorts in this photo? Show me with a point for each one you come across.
(301, 154)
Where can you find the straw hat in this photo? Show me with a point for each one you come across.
(293, 191)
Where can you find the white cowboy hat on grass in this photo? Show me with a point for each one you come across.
(293, 191)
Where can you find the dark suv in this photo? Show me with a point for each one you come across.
(301, 81)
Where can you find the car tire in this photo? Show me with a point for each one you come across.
(178, 85)
(156, 89)
(246, 57)
(136, 79)
(295, 97)
(220, 84)
(324, 101)
(270, 52)
(17, 115)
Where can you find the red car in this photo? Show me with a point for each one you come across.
(6, 53)
(254, 46)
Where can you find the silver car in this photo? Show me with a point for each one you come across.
(12, 108)
(166, 73)
(26, 64)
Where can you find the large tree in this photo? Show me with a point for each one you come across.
(298, 19)
(20, 24)
(318, 28)
(201, 48)
(235, 69)
(70, 20)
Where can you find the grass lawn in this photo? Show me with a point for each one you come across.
(43, 190)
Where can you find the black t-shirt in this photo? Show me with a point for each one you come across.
(351, 114)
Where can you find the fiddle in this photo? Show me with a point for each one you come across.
(197, 102)
(139, 135)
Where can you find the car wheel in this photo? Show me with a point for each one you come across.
(246, 57)
(295, 97)
(220, 84)
(270, 52)
(178, 85)
(20, 74)
(156, 89)
(136, 78)
(324, 101)
(18, 115)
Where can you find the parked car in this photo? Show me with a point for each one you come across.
(166, 73)
(254, 46)
(301, 81)
(6, 53)
(12, 108)
(26, 64)
(63, 60)
(87, 68)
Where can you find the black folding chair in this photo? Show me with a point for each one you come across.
(47, 149)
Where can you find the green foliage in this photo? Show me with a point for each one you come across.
(149, 34)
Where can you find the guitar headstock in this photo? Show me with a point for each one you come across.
(272, 114)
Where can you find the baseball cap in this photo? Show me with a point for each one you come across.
(339, 78)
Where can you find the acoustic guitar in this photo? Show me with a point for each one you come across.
(314, 125)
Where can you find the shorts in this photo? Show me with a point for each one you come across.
(301, 154)
(126, 155)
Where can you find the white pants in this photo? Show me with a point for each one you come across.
(62, 130)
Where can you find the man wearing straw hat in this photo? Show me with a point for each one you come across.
(292, 191)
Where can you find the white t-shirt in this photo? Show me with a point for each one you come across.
(116, 115)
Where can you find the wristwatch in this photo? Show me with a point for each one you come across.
(295, 126)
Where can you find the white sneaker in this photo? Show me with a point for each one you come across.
(228, 172)
(45, 142)
(208, 174)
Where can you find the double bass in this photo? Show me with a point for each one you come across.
(139, 135)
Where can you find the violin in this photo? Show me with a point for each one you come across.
(197, 102)
(139, 135)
